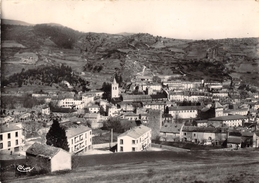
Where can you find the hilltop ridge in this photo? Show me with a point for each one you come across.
(129, 53)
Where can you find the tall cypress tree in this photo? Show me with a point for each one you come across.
(56, 136)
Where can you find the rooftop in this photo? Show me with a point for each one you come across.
(71, 132)
(136, 132)
(179, 108)
(231, 117)
(10, 127)
(171, 128)
(202, 129)
(43, 150)
(237, 110)
(94, 106)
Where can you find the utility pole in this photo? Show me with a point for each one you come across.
(111, 138)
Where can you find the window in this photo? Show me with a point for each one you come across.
(1, 137)
(16, 142)
(16, 134)
(133, 141)
(121, 149)
(1, 145)
(133, 149)
(121, 141)
(194, 135)
(184, 133)
(9, 135)
(9, 143)
(71, 141)
(85, 135)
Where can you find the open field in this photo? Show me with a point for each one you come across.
(163, 166)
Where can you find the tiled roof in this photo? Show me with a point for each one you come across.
(202, 121)
(247, 134)
(236, 110)
(218, 105)
(136, 132)
(43, 150)
(201, 129)
(71, 132)
(231, 117)
(179, 108)
(136, 96)
(171, 128)
(91, 115)
(10, 127)
(94, 106)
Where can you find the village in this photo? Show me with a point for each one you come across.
(151, 113)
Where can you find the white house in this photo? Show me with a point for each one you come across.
(41, 156)
(135, 139)
(131, 116)
(75, 102)
(113, 111)
(79, 139)
(231, 121)
(242, 112)
(183, 112)
(94, 109)
(70, 103)
(176, 96)
(45, 110)
(11, 137)
(154, 105)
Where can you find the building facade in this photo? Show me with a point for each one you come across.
(183, 112)
(135, 139)
(11, 137)
(48, 158)
(79, 139)
(114, 89)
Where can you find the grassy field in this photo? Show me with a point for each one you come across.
(195, 166)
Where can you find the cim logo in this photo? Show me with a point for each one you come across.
(23, 169)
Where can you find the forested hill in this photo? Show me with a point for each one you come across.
(38, 35)
(129, 53)
(47, 76)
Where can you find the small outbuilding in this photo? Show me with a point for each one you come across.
(48, 158)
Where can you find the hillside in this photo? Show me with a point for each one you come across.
(14, 22)
(104, 54)
(160, 167)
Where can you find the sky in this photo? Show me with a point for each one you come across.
(184, 19)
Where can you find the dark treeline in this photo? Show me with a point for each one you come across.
(11, 102)
(47, 75)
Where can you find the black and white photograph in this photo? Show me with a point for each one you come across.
(129, 91)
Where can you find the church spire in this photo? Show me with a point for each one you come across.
(114, 81)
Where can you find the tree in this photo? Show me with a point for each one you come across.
(113, 123)
(56, 136)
